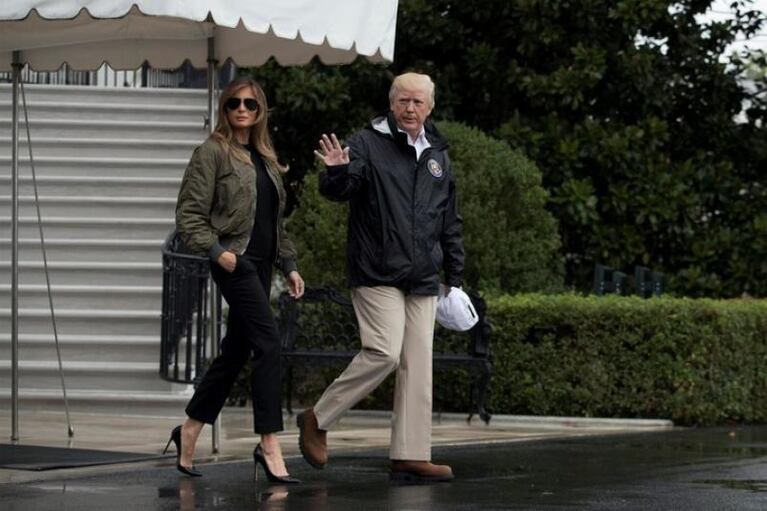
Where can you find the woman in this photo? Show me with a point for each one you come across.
(230, 208)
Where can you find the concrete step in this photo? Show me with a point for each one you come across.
(168, 402)
(109, 164)
(93, 206)
(92, 146)
(43, 128)
(96, 166)
(80, 250)
(134, 376)
(111, 186)
(86, 273)
(44, 109)
(88, 297)
(123, 95)
(91, 227)
(83, 321)
(88, 348)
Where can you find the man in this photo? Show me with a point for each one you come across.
(404, 228)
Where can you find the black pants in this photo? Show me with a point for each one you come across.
(251, 333)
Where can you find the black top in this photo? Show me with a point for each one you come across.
(262, 239)
(404, 225)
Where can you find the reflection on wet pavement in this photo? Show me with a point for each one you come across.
(682, 469)
(754, 485)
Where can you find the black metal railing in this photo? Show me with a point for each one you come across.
(62, 76)
(184, 76)
(105, 76)
(646, 283)
(184, 347)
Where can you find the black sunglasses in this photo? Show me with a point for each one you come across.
(234, 103)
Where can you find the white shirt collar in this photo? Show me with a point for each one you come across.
(420, 143)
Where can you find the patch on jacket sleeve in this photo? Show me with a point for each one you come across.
(434, 168)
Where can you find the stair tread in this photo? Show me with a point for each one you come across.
(87, 265)
(123, 123)
(88, 172)
(88, 241)
(103, 159)
(34, 88)
(68, 141)
(92, 199)
(91, 220)
(148, 395)
(96, 288)
(105, 105)
(74, 313)
(70, 365)
(85, 338)
(98, 179)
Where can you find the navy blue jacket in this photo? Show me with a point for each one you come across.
(404, 226)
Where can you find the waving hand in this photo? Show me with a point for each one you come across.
(330, 151)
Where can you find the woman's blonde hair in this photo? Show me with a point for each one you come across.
(259, 132)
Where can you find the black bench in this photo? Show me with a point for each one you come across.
(321, 327)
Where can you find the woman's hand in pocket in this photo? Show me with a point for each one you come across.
(228, 261)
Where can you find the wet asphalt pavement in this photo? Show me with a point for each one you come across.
(700, 469)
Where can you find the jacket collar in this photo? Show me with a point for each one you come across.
(385, 125)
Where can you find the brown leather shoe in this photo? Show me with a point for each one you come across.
(312, 440)
(419, 472)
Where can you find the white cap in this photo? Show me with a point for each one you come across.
(455, 311)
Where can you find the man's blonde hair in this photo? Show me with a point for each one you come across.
(412, 81)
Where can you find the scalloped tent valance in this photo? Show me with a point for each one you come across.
(125, 33)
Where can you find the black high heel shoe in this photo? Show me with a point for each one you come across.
(258, 457)
(175, 437)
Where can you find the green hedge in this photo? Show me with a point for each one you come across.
(694, 361)
(511, 241)
(691, 361)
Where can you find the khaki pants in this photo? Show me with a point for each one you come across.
(397, 332)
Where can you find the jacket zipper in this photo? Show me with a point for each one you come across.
(413, 212)
(276, 253)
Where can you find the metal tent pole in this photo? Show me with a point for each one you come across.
(16, 65)
(70, 428)
(212, 65)
(212, 81)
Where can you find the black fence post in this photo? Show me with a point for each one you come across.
(648, 283)
(608, 280)
(185, 315)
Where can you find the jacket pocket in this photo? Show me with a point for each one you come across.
(437, 257)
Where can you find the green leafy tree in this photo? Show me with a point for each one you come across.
(318, 228)
(631, 115)
(626, 107)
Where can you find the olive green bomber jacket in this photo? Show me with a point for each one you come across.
(216, 206)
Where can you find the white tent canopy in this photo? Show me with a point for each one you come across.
(125, 33)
